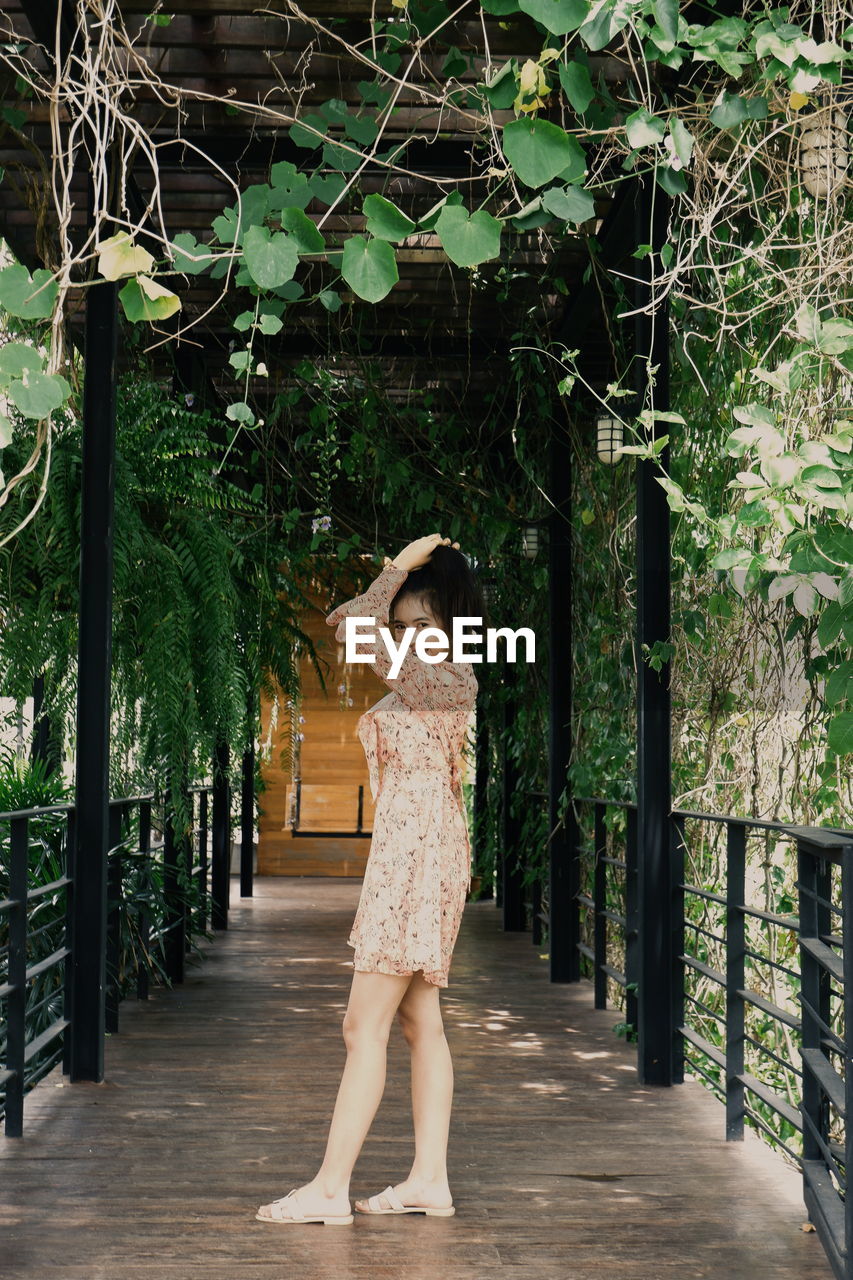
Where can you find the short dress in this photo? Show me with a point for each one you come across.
(418, 870)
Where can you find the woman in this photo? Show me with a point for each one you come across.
(415, 885)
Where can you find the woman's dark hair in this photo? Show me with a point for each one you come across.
(448, 584)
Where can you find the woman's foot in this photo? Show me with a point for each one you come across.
(412, 1191)
(311, 1199)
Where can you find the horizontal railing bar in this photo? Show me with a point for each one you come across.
(775, 964)
(708, 933)
(825, 1199)
(832, 1038)
(763, 824)
(617, 918)
(48, 962)
(825, 957)
(767, 1006)
(715, 1084)
(34, 894)
(614, 862)
(713, 974)
(585, 900)
(6, 1074)
(46, 1036)
(784, 922)
(762, 1124)
(710, 1050)
(768, 1053)
(614, 974)
(816, 897)
(771, 1099)
(37, 812)
(827, 1077)
(824, 1146)
(7, 904)
(704, 893)
(706, 1008)
(586, 951)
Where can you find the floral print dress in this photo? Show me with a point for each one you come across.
(417, 875)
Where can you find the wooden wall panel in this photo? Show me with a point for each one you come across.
(332, 763)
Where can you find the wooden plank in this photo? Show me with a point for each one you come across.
(218, 1095)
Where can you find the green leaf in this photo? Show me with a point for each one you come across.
(835, 542)
(240, 412)
(144, 299)
(839, 685)
(327, 189)
(754, 514)
(558, 16)
(185, 244)
(822, 477)
(540, 151)
(362, 129)
(643, 129)
(455, 64)
(385, 220)
(577, 85)
(830, 624)
(500, 91)
(682, 140)
(302, 136)
(468, 241)
(608, 19)
(5, 437)
(330, 300)
(39, 394)
(19, 358)
(271, 258)
(369, 268)
(18, 292)
(840, 733)
(666, 16)
(345, 160)
(304, 232)
(270, 325)
(569, 204)
(289, 188)
(672, 180)
(733, 110)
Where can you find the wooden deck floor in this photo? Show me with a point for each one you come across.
(218, 1095)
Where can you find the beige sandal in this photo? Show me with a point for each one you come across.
(397, 1206)
(277, 1213)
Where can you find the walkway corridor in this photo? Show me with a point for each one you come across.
(218, 1096)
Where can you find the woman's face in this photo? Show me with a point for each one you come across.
(411, 612)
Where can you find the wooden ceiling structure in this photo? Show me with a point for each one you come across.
(442, 327)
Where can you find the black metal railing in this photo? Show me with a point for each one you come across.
(36, 943)
(809, 956)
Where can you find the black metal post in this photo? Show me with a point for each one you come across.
(655, 898)
(564, 857)
(247, 825)
(735, 978)
(89, 889)
(114, 879)
(175, 923)
(631, 915)
(513, 866)
(202, 859)
(480, 833)
(599, 895)
(16, 999)
(221, 854)
(46, 744)
(144, 920)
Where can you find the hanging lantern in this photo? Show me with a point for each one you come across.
(824, 152)
(530, 541)
(609, 439)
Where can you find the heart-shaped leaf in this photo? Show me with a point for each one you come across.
(19, 358)
(570, 204)
(577, 85)
(468, 241)
(30, 297)
(385, 220)
(540, 151)
(643, 129)
(271, 258)
(144, 299)
(304, 232)
(39, 394)
(558, 16)
(369, 267)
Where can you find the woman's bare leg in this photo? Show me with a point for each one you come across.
(432, 1096)
(373, 1001)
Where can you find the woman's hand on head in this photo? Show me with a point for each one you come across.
(418, 552)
